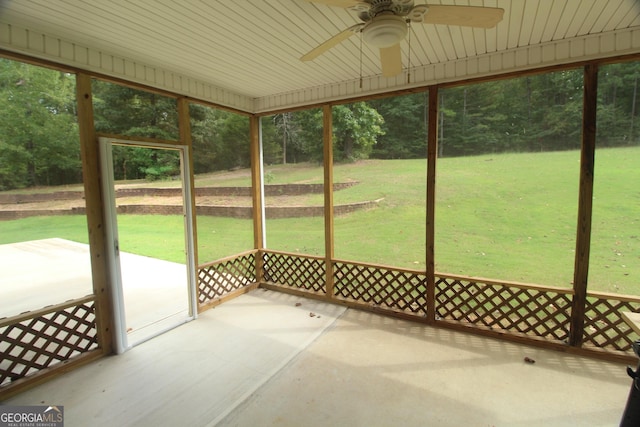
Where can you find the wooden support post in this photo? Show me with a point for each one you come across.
(184, 126)
(256, 192)
(90, 155)
(585, 202)
(432, 153)
(327, 138)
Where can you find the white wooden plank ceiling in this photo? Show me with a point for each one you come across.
(245, 54)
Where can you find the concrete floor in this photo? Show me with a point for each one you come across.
(39, 273)
(271, 359)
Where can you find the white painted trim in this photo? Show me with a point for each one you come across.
(106, 163)
(588, 47)
(121, 344)
(51, 48)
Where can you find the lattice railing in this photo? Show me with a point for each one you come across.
(513, 308)
(604, 326)
(302, 272)
(219, 278)
(397, 290)
(542, 312)
(41, 339)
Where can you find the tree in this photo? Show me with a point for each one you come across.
(405, 127)
(39, 143)
(130, 112)
(356, 128)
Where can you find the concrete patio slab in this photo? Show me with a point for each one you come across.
(39, 273)
(262, 359)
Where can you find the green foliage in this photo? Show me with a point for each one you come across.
(404, 131)
(356, 128)
(38, 130)
(39, 140)
(299, 135)
(495, 217)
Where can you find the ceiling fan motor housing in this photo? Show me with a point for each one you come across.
(385, 30)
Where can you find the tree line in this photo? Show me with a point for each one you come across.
(39, 143)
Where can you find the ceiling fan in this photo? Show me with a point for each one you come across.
(385, 24)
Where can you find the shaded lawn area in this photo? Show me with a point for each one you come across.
(504, 216)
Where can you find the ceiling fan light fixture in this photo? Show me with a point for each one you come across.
(385, 31)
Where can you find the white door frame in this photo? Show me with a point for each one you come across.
(111, 228)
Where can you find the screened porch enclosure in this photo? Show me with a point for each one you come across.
(324, 262)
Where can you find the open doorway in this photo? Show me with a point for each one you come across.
(149, 231)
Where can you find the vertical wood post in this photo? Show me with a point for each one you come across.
(184, 130)
(432, 153)
(256, 193)
(585, 202)
(184, 126)
(90, 154)
(327, 138)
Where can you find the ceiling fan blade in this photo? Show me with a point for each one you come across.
(333, 41)
(391, 60)
(466, 16)
(337, 3)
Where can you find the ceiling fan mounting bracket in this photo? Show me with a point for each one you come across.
(373, 8)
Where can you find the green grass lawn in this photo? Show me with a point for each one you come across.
(504, 216)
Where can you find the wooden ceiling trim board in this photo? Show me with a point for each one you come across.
(87, 25)
(578, 18)
(433, 35)
(623, 16)
(501, 31)
(540, 21)
(419, 45)
(243, 62)
(496, 63)
(552, 26)
(479, 38)
(531, 11)
(251, 55)
(269, 26)
(632, 18)
(460, 69)
(488, 37)
(516, 19)
(561, 49)
(444, 35)
(549, 53)
(608, 43)
(610, 10)
(457, 41)
(600, 9)
(471, 67)
(592, 46)
(95, 26)
(508, 60)
(299, 16)
(429, 53)
(576, 48)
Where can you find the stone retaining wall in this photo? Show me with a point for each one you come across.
(245, 212)
(269, 190)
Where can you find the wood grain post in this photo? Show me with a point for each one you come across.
(90, 155)
(256, 193)
(585, 202)
(184, 126)
(327, 138)
(432, 153)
